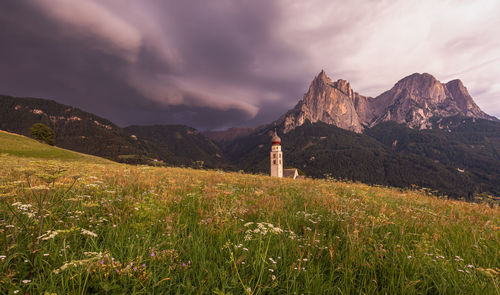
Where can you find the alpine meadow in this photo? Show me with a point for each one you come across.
(254, 147)
(74, 224)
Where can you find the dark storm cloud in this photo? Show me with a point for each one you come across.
(194, 67)
(222, 63)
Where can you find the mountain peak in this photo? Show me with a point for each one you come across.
(417, 80)
(456, 83)
(322, 78)
(413, 101)
(325, 101)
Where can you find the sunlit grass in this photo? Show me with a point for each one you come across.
(76, 227)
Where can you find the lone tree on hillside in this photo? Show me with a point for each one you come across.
(43, 133)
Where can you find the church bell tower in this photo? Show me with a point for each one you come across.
(276, 156)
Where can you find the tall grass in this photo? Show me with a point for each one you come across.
(76, 228)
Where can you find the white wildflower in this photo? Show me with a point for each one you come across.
(88, 233)
(26, 281)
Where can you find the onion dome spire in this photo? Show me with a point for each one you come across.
(276, 139)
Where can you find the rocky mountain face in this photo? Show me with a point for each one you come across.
(325, 101)
(413, 101)
(417, 98)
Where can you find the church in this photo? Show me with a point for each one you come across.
(276, 160)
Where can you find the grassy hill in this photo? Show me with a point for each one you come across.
(22, 146)
(82, 227)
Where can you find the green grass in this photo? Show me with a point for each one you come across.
(82, 228)
(21, 146)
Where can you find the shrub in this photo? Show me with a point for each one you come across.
(43, 133)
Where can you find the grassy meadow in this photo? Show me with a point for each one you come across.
(78, 226)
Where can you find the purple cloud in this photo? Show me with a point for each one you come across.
(245, 62)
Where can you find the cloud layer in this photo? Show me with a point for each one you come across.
(221, 63)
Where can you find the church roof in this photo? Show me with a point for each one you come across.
(290, 173)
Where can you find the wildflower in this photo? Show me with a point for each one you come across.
(470, 266)
(271, 270)
(135, 268)
(152, 254)
(409, 256)
(9, 226)
(26, 281)
(16, 291)
(46, 254)
(245, 249)
(248, 224)
(88, 233)
(273, 277)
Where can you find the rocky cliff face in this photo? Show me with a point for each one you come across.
(413, 100)
(325, 101)
(419, 97)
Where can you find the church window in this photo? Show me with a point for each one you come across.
(280, 162)
(274, 161)
(274, 155)
(280, 156)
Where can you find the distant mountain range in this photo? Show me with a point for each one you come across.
(413, 101)
(421, 132)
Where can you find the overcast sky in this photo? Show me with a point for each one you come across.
(220, 63)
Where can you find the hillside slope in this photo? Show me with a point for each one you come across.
(21, 146)
(180, 145)
(87, 133)
(75, 129)
(123, 229)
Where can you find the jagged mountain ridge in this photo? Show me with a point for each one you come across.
(413, 101)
